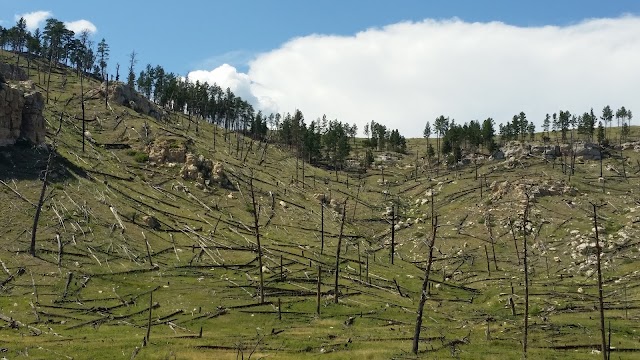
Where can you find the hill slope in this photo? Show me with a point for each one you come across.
(122, 232)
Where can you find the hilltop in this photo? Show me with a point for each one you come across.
(150, 233)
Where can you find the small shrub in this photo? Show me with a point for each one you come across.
(141, 157)
(535, 310)
(138, 156)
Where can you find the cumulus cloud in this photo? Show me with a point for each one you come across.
(227, 76)
(79, 26)
(34, 19)
(406, 74)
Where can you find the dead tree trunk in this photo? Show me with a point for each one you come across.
(322, 226)
(32, 248)
(515, 242)
(318, 292)
(257, 231)
(355, 205)
(82, 105)
(526, 280)
(106, 91)
(335, 289)
(600, 291)
(149, 320)
(423, 295)
(487, 223)
(393, 232)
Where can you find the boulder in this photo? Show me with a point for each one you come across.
(189, 172)
(151, 222)
(204, 171)
(497, 155)
(588, 151)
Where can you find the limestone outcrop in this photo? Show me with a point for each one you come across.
(204, 171)
(21, 117)
(167, 151)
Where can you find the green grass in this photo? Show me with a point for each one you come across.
(206, 267)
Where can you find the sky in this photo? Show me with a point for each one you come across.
(401, 63)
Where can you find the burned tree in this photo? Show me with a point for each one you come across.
(425, 284)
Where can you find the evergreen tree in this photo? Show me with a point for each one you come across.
(601, 133)
(607, 117)
(103, 57)
(488, 134)
(545, 125)
(426, 133)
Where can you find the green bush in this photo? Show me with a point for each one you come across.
(138, 156)
(141, 157)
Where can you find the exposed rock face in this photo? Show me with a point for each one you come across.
(535, 189)
(165, 151)
(125, 95)
(21, 114)
(588, 151)
(12, 72)
(203, 171)
(585, 151)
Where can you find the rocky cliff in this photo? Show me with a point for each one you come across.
(12, 72)
(21, 113)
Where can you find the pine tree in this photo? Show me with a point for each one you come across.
(103, 57)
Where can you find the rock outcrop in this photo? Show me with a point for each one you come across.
(125, 95)
(534, 188)
(21, 113)
(167, 151)
(12, 72)
(204, 171)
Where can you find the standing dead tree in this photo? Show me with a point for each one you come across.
(425, 284)
(604, 349)
(52, 150)
(335, 290)
(487, 224)
(256, 216)
(526, 279)
(34, 229)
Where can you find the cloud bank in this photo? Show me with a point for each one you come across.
(406, 74)
(36, 20)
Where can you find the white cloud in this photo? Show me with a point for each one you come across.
(34, 19)
(406, 74)
(80, 25)
(227, 76)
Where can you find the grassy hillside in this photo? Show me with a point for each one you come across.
(100, 266)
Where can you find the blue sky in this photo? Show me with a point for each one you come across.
(187, 34)
(250, 36)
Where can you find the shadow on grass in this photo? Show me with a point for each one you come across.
(23, 161)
